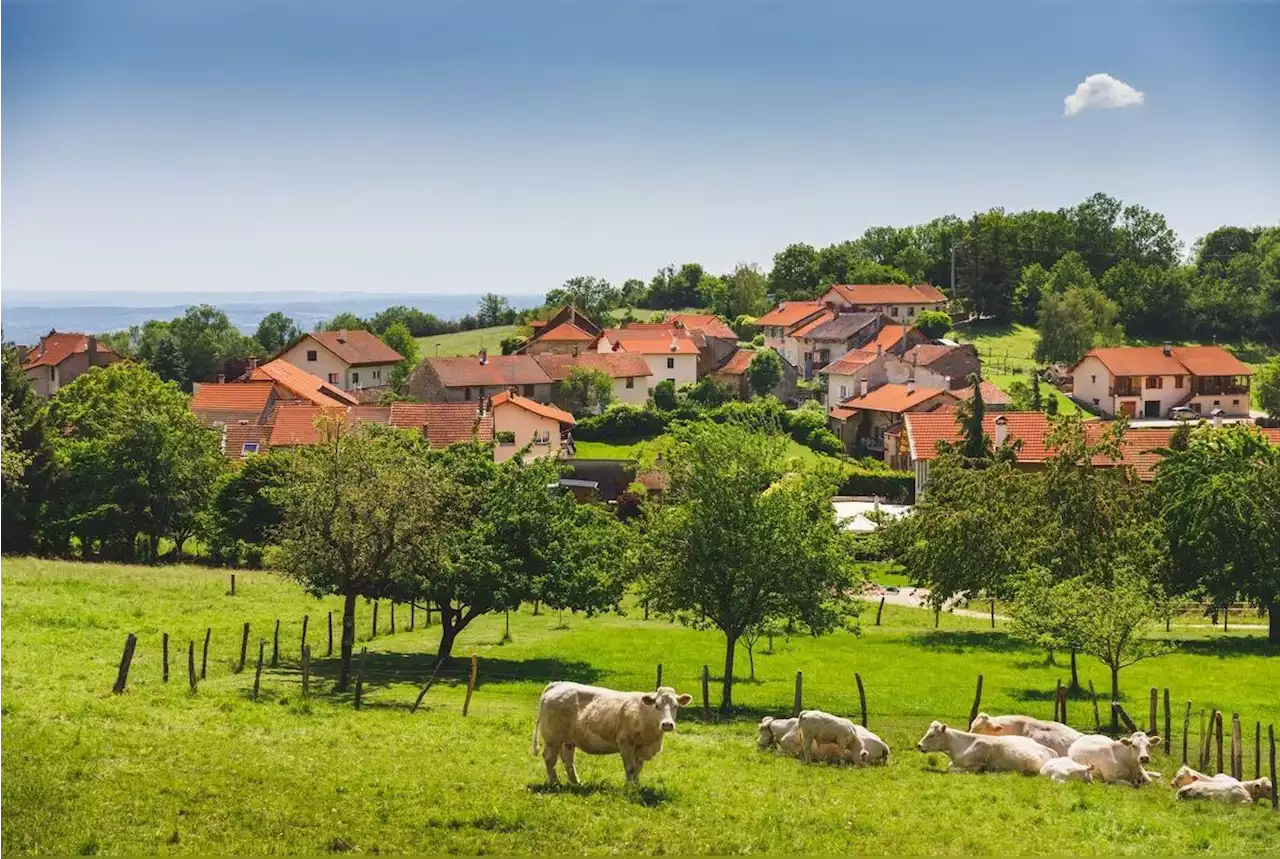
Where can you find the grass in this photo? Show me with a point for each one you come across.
(162, 770)
(1066, 405)
(466, 342)
(633, 450)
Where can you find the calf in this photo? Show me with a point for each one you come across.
(1053, 735)
(603, 722)
(1116, 760)
(822, 728)
(1217, 791)
(1258, 788)
(784, 734)
(983, 753)
(1063, 769)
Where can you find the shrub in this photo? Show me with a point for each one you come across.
(510, 344)
(622, 422)
(825, 441)
(745, 327)
(934, 323)
(757, 342)
(874, 478)
(765, 372)
(709, 393)
(664, 394)
(805, 421)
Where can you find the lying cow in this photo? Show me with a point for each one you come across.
(1258, 788)
(1063, 769)
(1116, 760)
(784, 734)
(1053, 735)
(603, 722)
(985, 753)
(822, 728)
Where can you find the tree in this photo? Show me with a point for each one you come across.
(399, 338)
(1219, 501)
(588, 389)
(934, 324)
(664, 395)
(494, 310)
(709, 393)
(739, 539)
(795, 272)
(1268, 383)
(276, 332)
(420, 324)
(1073, 322)
(975, 444)
(745, 293)
(132, 459)
(672, 289)
(346, 319)
(987, 270)
(594, 296)
(361, 506)
(28, 465)
(1112, 620)
(246, 507)
(167, 361)
(764, 373)
(211, 345)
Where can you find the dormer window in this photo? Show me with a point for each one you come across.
(248, 448)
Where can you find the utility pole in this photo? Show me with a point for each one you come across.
(953, 270)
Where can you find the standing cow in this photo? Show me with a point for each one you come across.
(603, 722)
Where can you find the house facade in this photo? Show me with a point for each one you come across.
(1149, 381)
(899, 301)
(862, 421)
(779, 324)
(348, 359)
(521, 423)
(631, 374)
(568, 330)
(671, 353)
(470, 379)
(60, 357)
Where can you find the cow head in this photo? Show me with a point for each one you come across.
(1141, 745)
(982, 724)
(1259, 788)
(1186, 775)
(665, 701)
(934, 739)
(764, 734)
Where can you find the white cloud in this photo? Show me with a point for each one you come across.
(1100, 91)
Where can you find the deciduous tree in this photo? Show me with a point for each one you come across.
(588, 389)
(764, 372)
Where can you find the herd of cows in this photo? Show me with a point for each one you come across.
(599, 721)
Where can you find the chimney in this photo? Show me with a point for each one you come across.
(484, 357)
(911, 386)
(222, 379)
(342, 336)
(91, 347)
(675, 347)
(1168, 349)
(862, 387)
(253, 363)
(1002, 430)
(879, 350)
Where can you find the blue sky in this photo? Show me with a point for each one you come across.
(468, 146)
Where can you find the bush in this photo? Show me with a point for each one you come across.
(825, 441)
(873, 478)
(510, 344)
(757, 342)
(622, 422)
(805, 421)
(709, 393)
(664, 394)
(933, 323)
(745, 327)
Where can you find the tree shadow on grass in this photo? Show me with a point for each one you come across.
(1227, 646)
(386, 668)
(639, 794)
(961, 641)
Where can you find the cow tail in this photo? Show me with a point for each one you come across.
(536, 723)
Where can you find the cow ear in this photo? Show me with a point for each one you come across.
(683, 701)
(647, 700)
(1126, 741)
(1155, 741)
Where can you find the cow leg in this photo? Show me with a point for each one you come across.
(630, 765)
(549, 754)
(566, 755)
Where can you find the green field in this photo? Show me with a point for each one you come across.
(633, 450)
(160, 769)
(466, 342)
(1066, 405)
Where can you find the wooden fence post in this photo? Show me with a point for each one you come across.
(393, 617)
(204, 654)
(1152, 720)
(306, 671)
(364, 653)
(1057, 702)
(330, 651)
(1218, 736)
(977, 703)
(1237, 752)
(191, 664)
(122, 676)
(1206, 738)
(799, 696)
(306, 619)
(373, 632)
(1257, 752)
(1186, 726)
(275, 646)
(659, 685)
(937, 615)
(1118, 710)
(164, 646)
(879, 611)
(244, 647)
(1097, 720)
(862, 697)
(1271, 742)
(427, 687)
(1168, 724)
(233, 584)
(1065, 695)
(257, 674)
(471, 685)
(413, 614)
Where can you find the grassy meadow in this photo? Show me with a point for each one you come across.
(466, 342)
(634, 449)
(160, 769)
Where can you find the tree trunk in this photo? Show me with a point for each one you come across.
(726, 698)
(751, 659)
(1075, 676)
(1048, 659)
(451, 623)
(1115, 689)
(348, 639)
(1273, 622)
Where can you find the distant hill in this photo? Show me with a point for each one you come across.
(26, 316)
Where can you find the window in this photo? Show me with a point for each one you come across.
(1155, 382)
(1095, 401)
(671, 363)
(1094, 380)
(911, 311)
(377, 374)
(333, 378)
(466, 395)
(844, 391)
(893, 311)
(1217, 402)
(355, 378)
(542, 436)
(248, 448)
(631, 382)
(311, 354)
(1235, 402)
(505, 437)
(1177, 381)
(528, 390)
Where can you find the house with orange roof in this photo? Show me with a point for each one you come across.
(631, 375)
(708, 323)
(1149, 381)
(671, 352)
(472, 378)
(521, 423)
(782, 321)
(567, 332)
(60, 357)
(219, 403)
(901, 302)
(294, 384)
(862, 421)
(348, 359)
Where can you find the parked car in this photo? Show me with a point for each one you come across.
(1182, 413)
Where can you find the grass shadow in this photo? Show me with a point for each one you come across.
(639, 794)
(961, 641)
(1228, 646)
(386, 668)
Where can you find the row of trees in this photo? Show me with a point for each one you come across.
(1090, 556)
(742, 292)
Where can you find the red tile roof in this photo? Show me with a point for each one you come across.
(817, 322)
(708, 323)
(236, 435)
(231, 396)
(926, 429)
(294, 423)
(889, 337)
(619, 365)
(444, 423)
(850, 362)
(841, 413)
(568, 332)
(301, 384)
(1181, 360)
(639, 341)
(788, 313)
(54, 348)
(546, 411)
(888, 293)
(497, 371)
(737, 364)
(895, 399)
(357, 347)
(990, 394)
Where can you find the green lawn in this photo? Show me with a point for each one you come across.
(1001, 347)
(1066, 405)
(160, 769)
(632, 450)
(466, 342)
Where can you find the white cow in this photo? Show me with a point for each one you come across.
(1116, 760)
(1054, 735)
(784, 734)
(982, 752)
(1217, 791)
(603, 722)
(1063, 769)
(1258, 788)
(822, 728)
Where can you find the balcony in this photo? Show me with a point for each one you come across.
(1218, 385)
